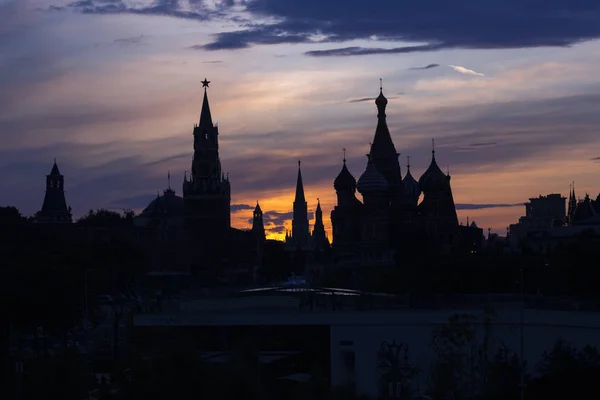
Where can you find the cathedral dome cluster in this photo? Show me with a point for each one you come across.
(390, 213)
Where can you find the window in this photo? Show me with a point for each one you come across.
(348, 369)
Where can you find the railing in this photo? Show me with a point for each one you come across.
(335, 299)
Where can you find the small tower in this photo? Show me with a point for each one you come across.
(258, 226)
(437, 210)
(300, 231)
(346, 216)
(375, 189)
(383, 152)
(319, 236)
(55, 209)
(572, 204)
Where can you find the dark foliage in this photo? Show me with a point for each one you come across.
(102, 218)
(51, 278)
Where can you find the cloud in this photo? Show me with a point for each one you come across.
(429, 66)
(464, 70)
(138, 202)
(431, 25)
(276, 221)
(196, 10)
(363, 99)
(240, 207)
(475, 147)
(483, 144)
(276, 229)
(437, 23)
(130, 40)
(212, 61)
(484, 206)
(367, 51)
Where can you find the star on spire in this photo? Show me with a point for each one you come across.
(205, 83)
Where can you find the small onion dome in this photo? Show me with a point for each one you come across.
(371, 181)
(344, 182)
(411, 186)
(381, 100)
(433, 179)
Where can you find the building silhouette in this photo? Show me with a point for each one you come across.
(258, 225)
(207, 193)
(300, 236)
(390, 215)
(309, 251)
(54, 209)
(164, 214)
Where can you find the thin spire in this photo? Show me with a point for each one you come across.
(299, 187)
(344, 150)
(433, 146)
(380, 85)
(169, 179)
(407, 162)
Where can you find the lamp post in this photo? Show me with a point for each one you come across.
(522, 336)
(396, 372)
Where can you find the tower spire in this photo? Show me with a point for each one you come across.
(344, 150)
(205, 116)
(54, 208)
(299, 187)
(300, 232)
(169, 179)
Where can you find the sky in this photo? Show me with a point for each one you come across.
(111, 88)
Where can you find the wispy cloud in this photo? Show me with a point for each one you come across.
(240, 207)
(489, 144)
(212, 62)
(130, 40)
(363, 99)
(464, 70)
(367, 51)
(484, 206)
(429, 66)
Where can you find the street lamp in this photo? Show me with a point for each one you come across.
(393, 359)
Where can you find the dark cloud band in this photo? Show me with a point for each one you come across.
(435, 24)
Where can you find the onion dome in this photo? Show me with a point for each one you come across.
(371, 181)
(381, 100)
(433, 179)
(411, 186)
(344, 182)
